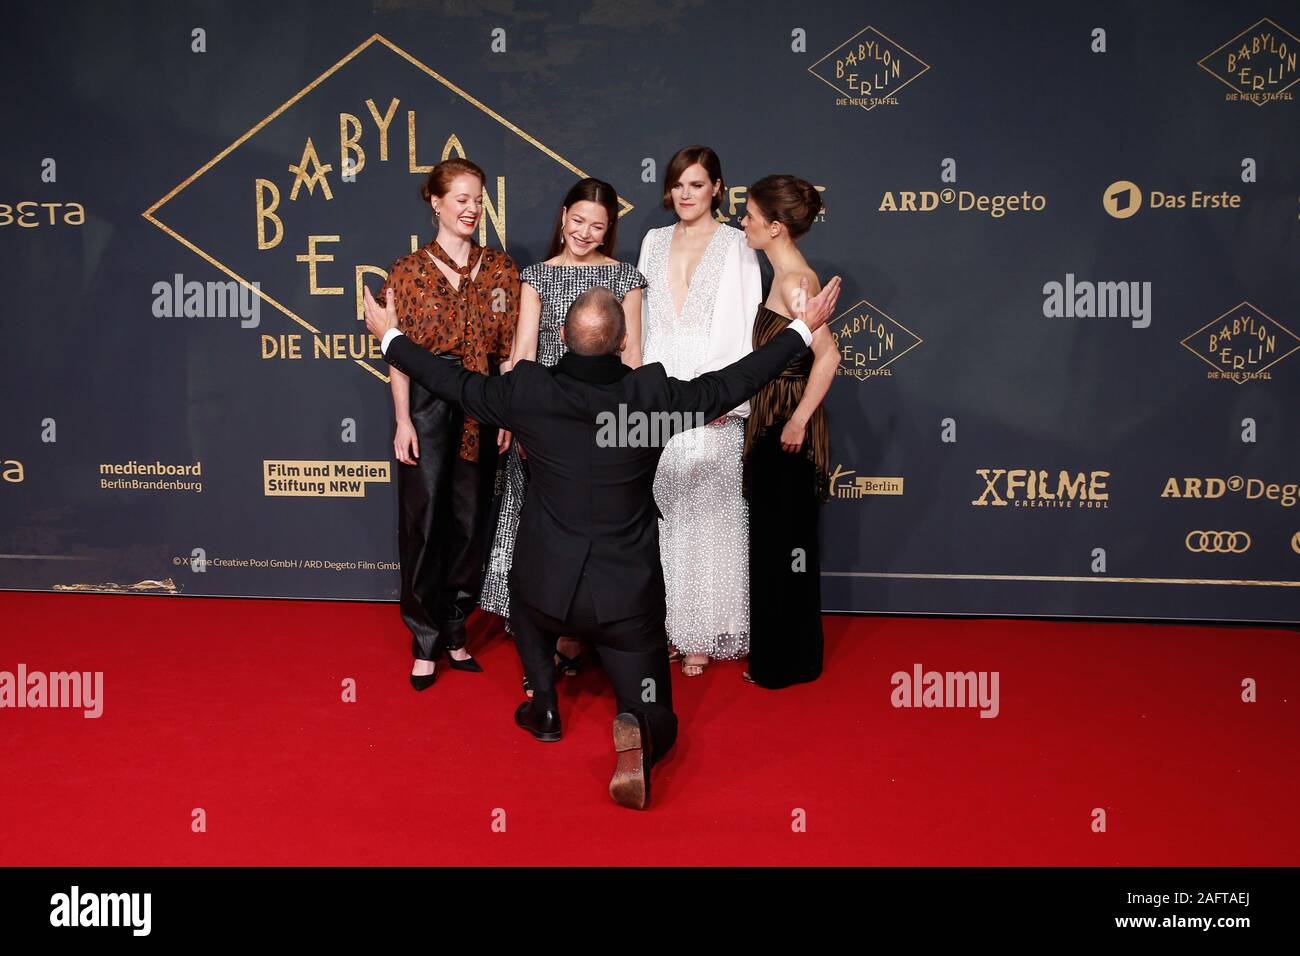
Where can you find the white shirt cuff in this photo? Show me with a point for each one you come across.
(388, 337)
(799, 326)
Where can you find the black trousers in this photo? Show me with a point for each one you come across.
(633, 651)
(441, 504)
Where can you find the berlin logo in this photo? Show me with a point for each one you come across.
(868, 69)
(870, 341)
(1217, 542)
(847, 483)
(1242, 345)
(1258, 65)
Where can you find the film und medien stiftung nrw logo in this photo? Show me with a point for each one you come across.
(868, 69)
(1258, 65)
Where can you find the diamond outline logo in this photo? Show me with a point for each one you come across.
(876, 310)
(1236, 308)
(813, 69)
(1228, 83)
(150, 214)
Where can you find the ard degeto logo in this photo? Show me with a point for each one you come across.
(868, 69)
(1258, 65)
(1242, 345)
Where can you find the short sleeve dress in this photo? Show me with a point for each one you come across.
(557, 287)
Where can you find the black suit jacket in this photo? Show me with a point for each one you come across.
(590, 505)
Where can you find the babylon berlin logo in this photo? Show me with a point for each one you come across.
(868, 69)
(1258, 65)
(870, 341)
(312, 218)
(1242, 345)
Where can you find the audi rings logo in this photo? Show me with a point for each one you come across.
(1218, 542)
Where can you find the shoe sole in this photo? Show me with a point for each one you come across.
(630, 785)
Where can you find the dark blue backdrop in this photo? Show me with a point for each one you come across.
(1178, 415)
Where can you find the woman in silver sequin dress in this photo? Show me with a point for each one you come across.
(581, 256)
(704, 291)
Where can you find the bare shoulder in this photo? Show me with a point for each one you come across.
(790, 285)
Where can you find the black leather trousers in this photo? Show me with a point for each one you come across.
(442, 502)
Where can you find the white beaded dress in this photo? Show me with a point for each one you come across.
(704, 534)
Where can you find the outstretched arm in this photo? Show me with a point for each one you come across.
(484, 398)
(715, 392)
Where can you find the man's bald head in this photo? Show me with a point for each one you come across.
(594, 324)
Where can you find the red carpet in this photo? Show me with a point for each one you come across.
(234, 706)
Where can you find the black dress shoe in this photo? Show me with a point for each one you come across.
(630, 785)
(541, 721)
(468, 664)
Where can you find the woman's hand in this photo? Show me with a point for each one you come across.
(406, 444)
(792, 435)
(503, 441)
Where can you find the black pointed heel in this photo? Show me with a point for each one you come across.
(423, 681)
(468, 664)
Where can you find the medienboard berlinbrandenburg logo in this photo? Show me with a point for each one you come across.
(868, 69)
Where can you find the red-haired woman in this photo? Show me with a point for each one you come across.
(460, 301)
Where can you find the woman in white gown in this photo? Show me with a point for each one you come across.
(698, 316)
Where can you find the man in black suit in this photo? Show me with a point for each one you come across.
(586, 561)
